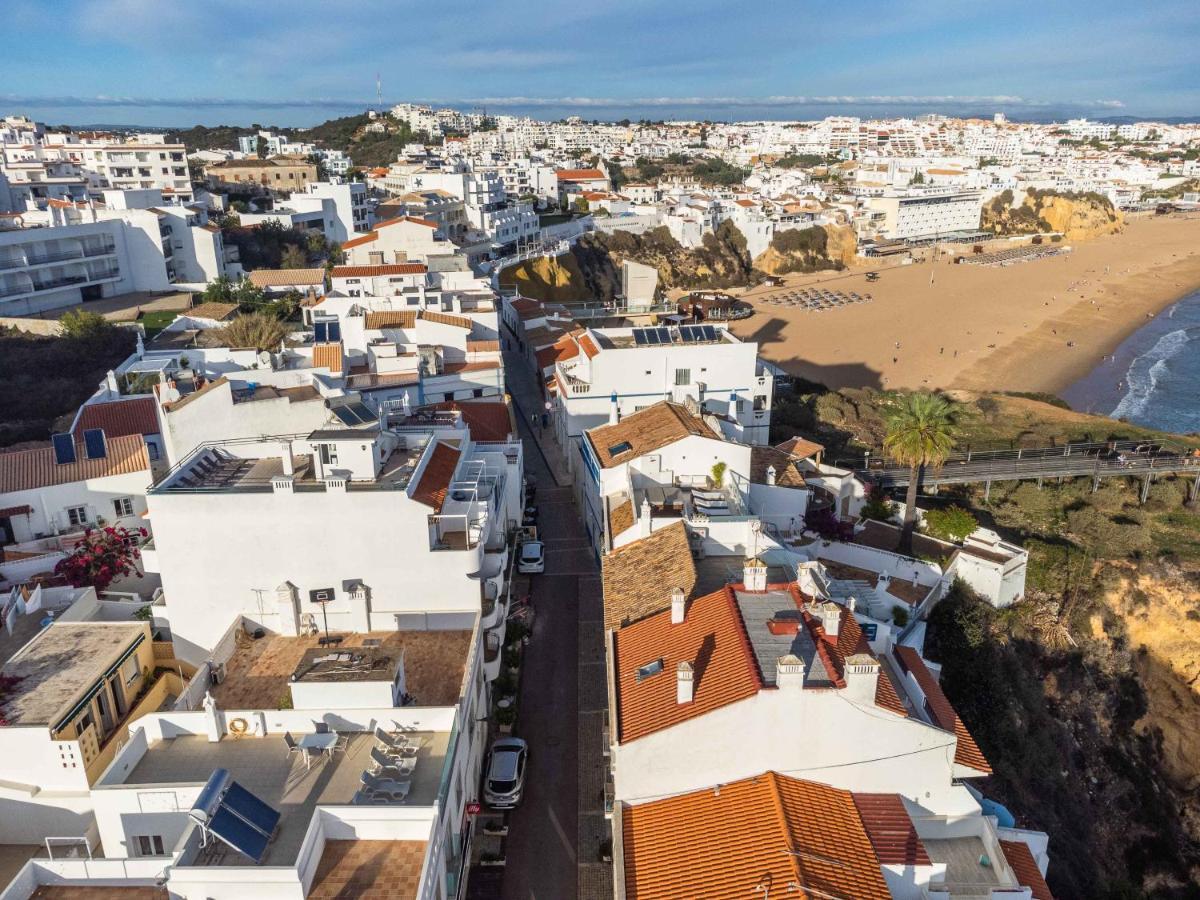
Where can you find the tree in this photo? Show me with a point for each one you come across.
(102, 556)
(920, 434)
(256, 330)
(81, 324)
(878, 507)
(950, 524)
(293, 258)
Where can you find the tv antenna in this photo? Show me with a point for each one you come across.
(379, 91)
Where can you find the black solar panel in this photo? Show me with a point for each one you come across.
(345, 416)
(688, 333)
(651, 335)
(320, 332)
(362, 411)
(639, 337)
(710, 333)
(93, 442)
(334, 330)
(64, 449)
(664, 335)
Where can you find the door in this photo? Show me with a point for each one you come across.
(106, 717)
(6, 531)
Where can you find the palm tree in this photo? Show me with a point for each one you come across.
(920, 434)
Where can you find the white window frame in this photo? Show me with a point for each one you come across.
(77, 515)
(123, 507)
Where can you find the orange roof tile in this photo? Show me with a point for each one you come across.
(645, 431)
(370, 271)
(119, 417)
(1026, 869)
(891, 830)
(482, 346)
(447, 319)
(579, 174)
(638, 578)
(767, 830)
(26, 470)
(413, 219)
(562, 350)
(711, 638)
(328, 356)
(967, 752)
(489, 420)
(284, 277)
(589, 346)
(391, 318)
(435, 479)
(359, 241)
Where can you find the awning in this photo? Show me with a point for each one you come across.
(15, 511)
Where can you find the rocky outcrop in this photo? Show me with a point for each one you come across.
(1076, 216)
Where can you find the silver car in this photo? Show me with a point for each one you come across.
(506, 773)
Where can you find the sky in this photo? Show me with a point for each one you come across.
(295, 63)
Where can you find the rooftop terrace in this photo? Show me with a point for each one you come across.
(264, 767)
(259, 672)
(372, 870)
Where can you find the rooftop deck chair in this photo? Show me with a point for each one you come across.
(390, 766)
(375, 786)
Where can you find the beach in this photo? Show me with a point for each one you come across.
(1034, 326)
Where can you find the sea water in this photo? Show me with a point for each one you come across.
(1153, 378)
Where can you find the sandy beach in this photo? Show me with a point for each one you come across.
(1034, 326)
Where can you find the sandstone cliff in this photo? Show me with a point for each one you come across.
(1077, 216)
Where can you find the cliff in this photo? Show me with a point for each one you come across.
(809, 250)
(1076, 216)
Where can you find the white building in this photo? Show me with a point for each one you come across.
(927, 214)
(352, 211)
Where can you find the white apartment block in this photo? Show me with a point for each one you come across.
(353, 214)
(927, 214)
(712, 368)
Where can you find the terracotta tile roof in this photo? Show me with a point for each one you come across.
(26, 470)
(282, 277)
(328, 356)
(454, 368)
(391, 318)
(800, 447)
(645, 431)
(218, 312)
(579, 174)
(373, 382)
(489, 420)
(967, 752)
(119, 417)
(770, 829)
(359, 241)
(436, 477)
(23, 510)
(563, 349)
(589, 346)
(711, 638)
(483, 346)
(891, 830)
(1026, 869)
(639, 577)
(620, 518)
(447, 319)
(786, 475)
(369, 870)
(413, 219)
(372, 271)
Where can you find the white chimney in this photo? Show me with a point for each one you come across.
(789, 672)
(684, 683)
(678, 606)
(110, 384)
(754, 575)
(614, 413)
(862, 678)
(285, 456)
(644, 524)
(831, 618)
(770, 475)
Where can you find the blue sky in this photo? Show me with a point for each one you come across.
(175, 62)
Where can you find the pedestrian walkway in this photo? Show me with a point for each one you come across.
(529, 404)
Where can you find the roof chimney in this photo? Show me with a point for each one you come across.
(285, 456)
(862, 677)
(831, 618)
(789, 672)
(678, 606)
(754, 575)
(770, 475)
(645, 526)
(684, 682)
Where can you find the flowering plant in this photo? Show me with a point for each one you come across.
(102, 556)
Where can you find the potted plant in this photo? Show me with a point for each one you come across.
(718, 474)
(495, 827)
(506, 718)
(489, 858)
(606, 850)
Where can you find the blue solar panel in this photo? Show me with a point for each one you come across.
(64, 449)
(651, 335)
(364, 414)
(248, 807)
(664, 335)
(93, 441)
(710, 333)
(320, 332)
(239, 834)
(345, 416)
(639, 337)
(335, 330)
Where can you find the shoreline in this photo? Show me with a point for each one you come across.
(1038, 326)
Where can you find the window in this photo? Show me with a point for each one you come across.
(682, 377)
(329, 454)
(152, 449)
(149, 845)
(741, 405)
(477, 393)
(123, 506)
(760, 402)
(77, 515)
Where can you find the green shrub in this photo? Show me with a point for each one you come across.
(900, 615)
(950, 524)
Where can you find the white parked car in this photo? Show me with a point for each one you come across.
(532, 558)
(506, 773)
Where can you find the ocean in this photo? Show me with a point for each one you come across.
(1153, 378)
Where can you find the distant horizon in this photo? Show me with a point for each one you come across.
(307, 114)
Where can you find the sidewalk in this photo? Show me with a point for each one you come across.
(528, 401)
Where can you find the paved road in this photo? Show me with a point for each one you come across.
(541, 850)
